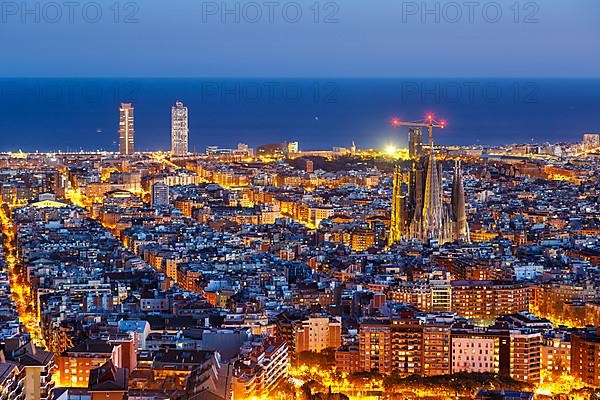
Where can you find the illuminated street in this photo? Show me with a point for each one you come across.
(21, 291)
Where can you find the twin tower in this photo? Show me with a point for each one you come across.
(418, 209)
(179, 129)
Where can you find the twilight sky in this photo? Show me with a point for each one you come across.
(365, 38)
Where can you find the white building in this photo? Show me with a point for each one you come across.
(474, 354)
(179, 130)
(126, 129)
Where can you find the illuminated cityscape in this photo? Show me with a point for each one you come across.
(300, 200)
(278, 273)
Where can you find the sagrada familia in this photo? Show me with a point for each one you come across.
(418, 209)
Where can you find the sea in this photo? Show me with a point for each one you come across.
(72, 114)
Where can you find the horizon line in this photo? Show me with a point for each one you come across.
(478, 145)
(302, 77)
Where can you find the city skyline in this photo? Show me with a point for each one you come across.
(300, 200)
(179, 135)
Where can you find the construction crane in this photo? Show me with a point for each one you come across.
(429, 122)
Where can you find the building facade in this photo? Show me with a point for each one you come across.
(126, 129)
(488, 299)
(585, 357)
(387, 346)
(179, 130)
(525, 361)
(319, 333)
(160, 195)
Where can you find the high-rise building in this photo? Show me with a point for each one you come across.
(243, 151)
(347, 359)
(379, 231)
(415, 143)
(126, 129)
(160, 195)
(591, 141)
(362, 239)
(179, 130)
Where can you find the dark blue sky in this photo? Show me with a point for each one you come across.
(371, 38)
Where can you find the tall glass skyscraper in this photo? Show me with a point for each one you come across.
(179, 129)
(126, 129)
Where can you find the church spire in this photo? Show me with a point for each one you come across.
(432, 204)
(461, 231)
(397, 224)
